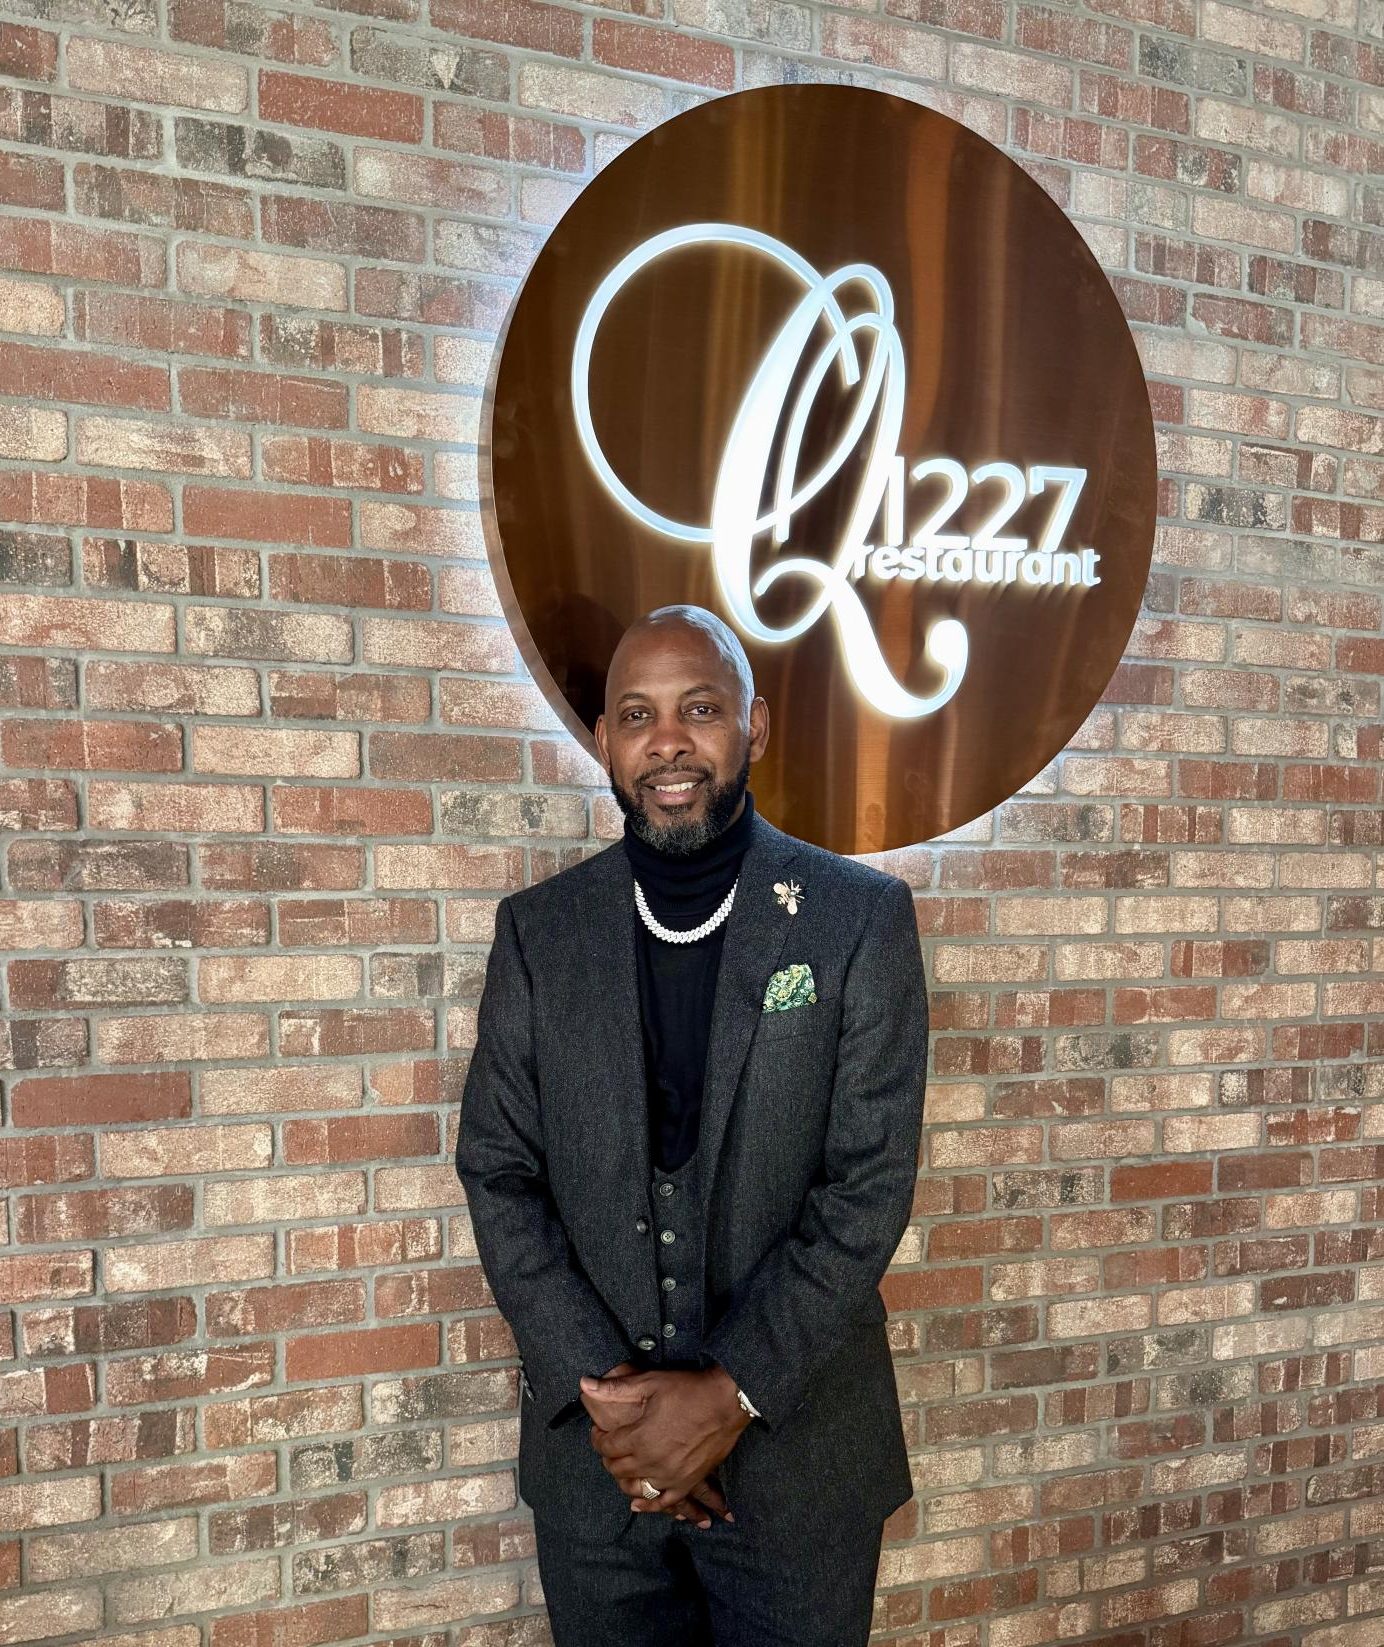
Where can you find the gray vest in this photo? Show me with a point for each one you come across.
(677, 1230)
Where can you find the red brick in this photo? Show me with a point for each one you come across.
(81, 375)
(376, 1350)
(208, 1481)
(63, 1158)
(51, 866)
(37, 803)
(261, 517)
(159, 923)
(41, 1277)
(268, 867)
(306, 461)
(106, 1214)
(262, 1310)
(289, 1522)
(181, 1035)
(102, 1100)
(662, 51)
(428, 1292)
(360, 1138)
(234, 1423)
(173, 568)
(350, 580)
(77, 253)
(86, 1329)
(300, 1626)
(322, 695)
(38, 683)
(28, 53)
(138, 1381)
(363, 1245)
(358, 231)
(1160, 1181)
(493, 135)
(31, 182)
(317, 921)
(193, 808)
(32, 923)
(430, 756)
(94, 984)
(160, 324)
(326, 105)
(136, 746)
(528, 24)
(303, 809)
(262, 397)
(353, 1031)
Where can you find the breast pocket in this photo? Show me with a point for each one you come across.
(816, 1018)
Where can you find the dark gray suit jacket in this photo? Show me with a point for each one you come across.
(808, 1152)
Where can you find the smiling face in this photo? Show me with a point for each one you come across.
(677, 736)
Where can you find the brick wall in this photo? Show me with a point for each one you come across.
(270, 758)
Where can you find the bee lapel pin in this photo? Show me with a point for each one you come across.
(788, 893)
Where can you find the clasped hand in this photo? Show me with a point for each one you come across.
(670, 1427)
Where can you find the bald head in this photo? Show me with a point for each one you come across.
(665, 621)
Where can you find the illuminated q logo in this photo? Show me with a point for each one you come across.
(736, 520)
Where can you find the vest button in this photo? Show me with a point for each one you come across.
(642, 1225)
(646, 1343)
(667, 1236)
(668, 1329)
(665, 1189)
(668, 1283)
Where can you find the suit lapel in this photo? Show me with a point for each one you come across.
(756, 930)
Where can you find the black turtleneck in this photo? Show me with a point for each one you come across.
(677, 982)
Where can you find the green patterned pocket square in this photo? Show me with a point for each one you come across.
(793, 986)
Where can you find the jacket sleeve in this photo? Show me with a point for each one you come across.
(792, 1310)
(561, 1324)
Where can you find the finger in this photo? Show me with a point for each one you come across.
(630, 1387)
(612, 1415)
(633, 1488)
(617, 1454)
(668, 1498)
(681, 1509)
(615, 1451)
(688, 1509)
(708, 1493)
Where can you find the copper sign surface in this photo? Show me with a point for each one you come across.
(827, 363)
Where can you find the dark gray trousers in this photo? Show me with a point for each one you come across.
(667, 1583)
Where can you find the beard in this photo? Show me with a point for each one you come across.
(684, 836)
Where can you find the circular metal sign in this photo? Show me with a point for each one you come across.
(829, 364)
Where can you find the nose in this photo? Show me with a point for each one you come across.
(666, 743)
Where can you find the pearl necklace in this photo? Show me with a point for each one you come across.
(668, 934)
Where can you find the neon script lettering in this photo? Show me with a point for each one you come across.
(876, 374)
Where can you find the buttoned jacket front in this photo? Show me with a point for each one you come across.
(807, 1164)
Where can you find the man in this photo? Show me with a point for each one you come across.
(689, 1142)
